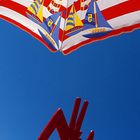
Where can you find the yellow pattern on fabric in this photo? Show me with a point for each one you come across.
(37, 10)
(73, 20)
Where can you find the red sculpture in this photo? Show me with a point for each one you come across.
(66, 131)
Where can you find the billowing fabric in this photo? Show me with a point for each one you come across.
(66, 25)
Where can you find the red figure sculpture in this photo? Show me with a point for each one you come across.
(66, 131)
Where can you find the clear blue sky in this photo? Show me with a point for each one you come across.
(34, 82)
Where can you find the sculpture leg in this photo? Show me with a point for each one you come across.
(91, 136)
(58, 122)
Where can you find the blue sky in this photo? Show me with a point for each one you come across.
(34, 82)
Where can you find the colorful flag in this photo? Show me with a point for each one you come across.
(54, 6)
(66, 25)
